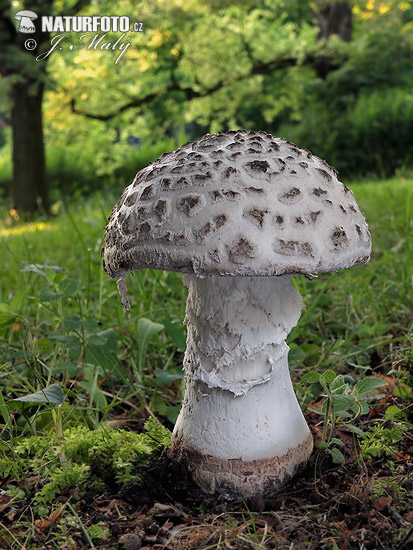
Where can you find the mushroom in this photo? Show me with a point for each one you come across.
(26, 21)
(238, 213)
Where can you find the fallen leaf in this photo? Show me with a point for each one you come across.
(381, 503)
(11, 515)
(401, 456)
(42, 525)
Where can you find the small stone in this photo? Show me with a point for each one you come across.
(315, 498)
(166, 511)
(152, 529)
(129, 541)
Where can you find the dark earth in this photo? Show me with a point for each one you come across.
(323, 507)
(363, 505)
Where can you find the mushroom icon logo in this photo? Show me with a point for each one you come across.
(26, 21)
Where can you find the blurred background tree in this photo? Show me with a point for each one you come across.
(335, 77)
(23, 82)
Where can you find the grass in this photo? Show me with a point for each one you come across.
(61, 322)
(352, 314)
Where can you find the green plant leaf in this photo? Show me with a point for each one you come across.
(172, 413)
(337, 456)
(296, 354)
(97, 339)
(3, 409)
(317, 411)
(328, 376)
(147, 329)
(102, 349)
(355, 430)
(18, 300)
(393, 411)
(338, 382)
(340, 389)
(342, 402)
(403, 391)
(51, 395)
(164, 377)
(176, 333)
(67, 287)
(96, 396)
(40, 269)
(360, 408)
(368, 385)
(310, 378)
(337, 441)
(7, 316)
(57, 278)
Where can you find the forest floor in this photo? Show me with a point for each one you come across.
(77, 470)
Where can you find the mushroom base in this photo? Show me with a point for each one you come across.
(236, 478)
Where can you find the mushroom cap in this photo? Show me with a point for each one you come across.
(236, 203)
(26, 13)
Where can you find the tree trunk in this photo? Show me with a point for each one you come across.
(29, 162)
(30, 185)
(336, 18)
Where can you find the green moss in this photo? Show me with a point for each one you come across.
(85, 457)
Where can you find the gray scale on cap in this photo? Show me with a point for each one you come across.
(236, 203)
(210, 227)
(257, 215)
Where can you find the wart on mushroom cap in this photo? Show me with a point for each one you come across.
(228, 210)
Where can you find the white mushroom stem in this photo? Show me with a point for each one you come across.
(240, 427)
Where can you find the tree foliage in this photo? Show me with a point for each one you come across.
(334, 76)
